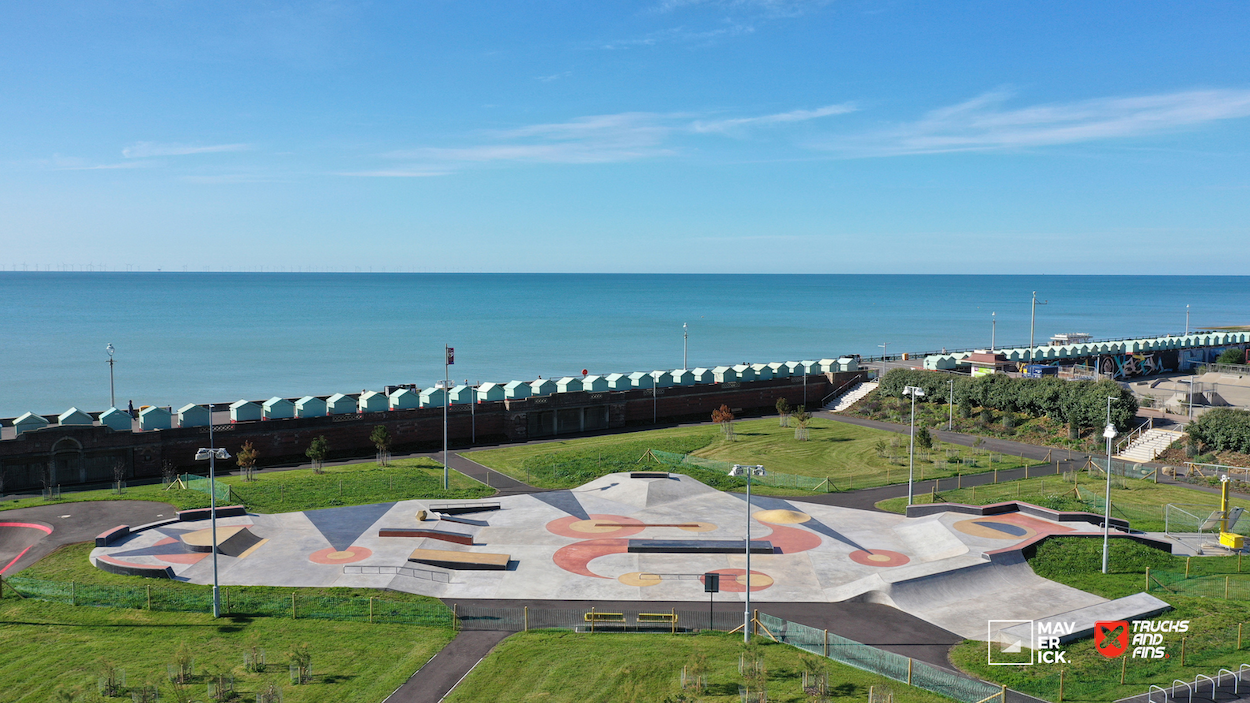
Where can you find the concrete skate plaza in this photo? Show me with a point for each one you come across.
(620, 538)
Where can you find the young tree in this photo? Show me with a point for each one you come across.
(119, 474)
(317, 451)
(783, 412)
(802, 417)
(725, 417)
(381, 438)
(246, 460)
(924, 439)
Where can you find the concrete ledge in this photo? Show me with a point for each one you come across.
(1138, 606)
(108, 537)
(475, 561)
(204, 513)
(126, 568)
(456, 537)
(697, 546)
(1013, 506)
(462, 508)
(153, 525)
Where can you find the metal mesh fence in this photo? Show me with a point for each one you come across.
(201, 484)
(896, 666)
(237, 601)
(475, 617)
(1226, 586)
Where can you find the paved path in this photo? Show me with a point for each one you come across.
(80, 522)
(445, 670)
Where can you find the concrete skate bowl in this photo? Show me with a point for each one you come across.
(16, 538)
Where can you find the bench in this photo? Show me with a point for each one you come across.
(108, 537)
(668, 618)
(206, 513)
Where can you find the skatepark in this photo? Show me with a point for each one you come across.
(639, 537)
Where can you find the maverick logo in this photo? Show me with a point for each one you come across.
(1111, 638)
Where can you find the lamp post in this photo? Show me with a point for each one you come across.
(449, 358)
(746, 614)
(1186, 319)
(914, 392)
(685, 345)
(213, 454)
(112, 395)
(655, 394)
(1033, 321)
(884, 351)
(1109, 433)
(950, 406)
(993, 330)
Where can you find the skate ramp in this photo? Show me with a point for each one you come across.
(16, 538)
(647, 492)
(963, 600)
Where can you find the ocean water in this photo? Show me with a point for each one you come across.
(201, 337)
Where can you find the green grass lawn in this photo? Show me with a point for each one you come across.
(302, 489)
(1139, 501)
(646, 668)
(850, 456)
(50, 649)
(1211, 641)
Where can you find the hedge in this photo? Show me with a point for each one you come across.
(1223, 429)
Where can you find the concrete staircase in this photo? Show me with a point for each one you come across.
(848, 398)
(1148, 445)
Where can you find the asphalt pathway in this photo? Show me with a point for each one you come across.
(445, 670)
(79, 522)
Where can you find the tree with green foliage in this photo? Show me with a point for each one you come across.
(318, 450)
(246, 459)
(783, 412)
(802, 417)
(966, 408)
(1222, 429)
(381, 438)
(1234, 356)
(924, 438)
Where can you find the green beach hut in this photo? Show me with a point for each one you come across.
(641, 379)
(460, 395)
(723, 374)
(594, 384)
(192, 415)
(702, 375)
(513, 390)
(568, 384)
(310, 406)
(244, 411)
(617, 381)
(277, 409)
(682, 377)
(117, 420)
(543, 386)
(404, 399)
(432, 398)
(152, 418)
(490, 391)
(29, 421)
(371, 402)
(74, 416)
(341, 404)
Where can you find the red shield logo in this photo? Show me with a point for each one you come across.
(1111, 638)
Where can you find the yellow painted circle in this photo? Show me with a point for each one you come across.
(878, 557)
(592, 526)
(639, 578)
(757, 580)
(782, 517)
(699, 527)
(990, 528)
(341, 555)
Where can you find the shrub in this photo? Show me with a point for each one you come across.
(924, 439)
(987, 416)
(1009, 420)
(1222, 429)
(965, 408)
(1232, 356)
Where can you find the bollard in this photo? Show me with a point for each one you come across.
(1183, 650)
(1123, 668)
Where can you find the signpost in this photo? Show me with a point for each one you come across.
(711, 584)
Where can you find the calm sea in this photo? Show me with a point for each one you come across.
(188, 337)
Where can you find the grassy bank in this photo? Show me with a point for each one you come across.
(303, 489)
(1139, 501)
(850, 456)
(1210, 643)
(53, 649)
(582, 668)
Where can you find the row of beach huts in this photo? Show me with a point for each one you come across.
(406, 398)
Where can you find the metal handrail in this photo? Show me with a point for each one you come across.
(1219, 676)
(1140, 430)
(857, 379)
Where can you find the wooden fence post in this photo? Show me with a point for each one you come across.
(71, 593)
(827, 643)
(1183, 650)
(1187, 566)
(370, 610)
(149, 597)
(1060, 685)
(1123, 669)
(909, 661)
(527, 618)
(292, 605)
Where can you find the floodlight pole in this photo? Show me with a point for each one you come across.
(994, 331)
(1109, 433)
(446, 396)
(746, 614)
(884, 351)
(655, 394)
(1186, 319)
(113, 396)
(212, 454)
(913, 391)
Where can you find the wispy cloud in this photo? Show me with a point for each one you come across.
(142, 150)
(73, 163)
(985, 124)
(396, 173)
(737, 123)
(680, 35)
(553, 77)
(771, 8)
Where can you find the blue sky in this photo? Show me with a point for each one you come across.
(675, 135)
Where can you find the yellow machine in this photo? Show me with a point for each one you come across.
(1228, 539)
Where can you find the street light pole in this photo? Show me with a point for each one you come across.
(746, 614)
(1186, 319)
(884, 351)
(655, 394)
(913, 391)
(950, 421)
(449, 358)
(1033, 321)
(213, 454)
(1109, 433)
(685, 345)
(993, 330)
(113, 396)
